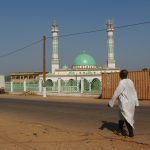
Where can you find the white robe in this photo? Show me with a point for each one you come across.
(126, 95)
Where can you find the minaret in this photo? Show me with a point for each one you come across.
(54, 56)
(110, 42)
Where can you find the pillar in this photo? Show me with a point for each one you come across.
(82, 85)
(59, 85)
(25, 85)
(40, 86)
(11, 87)
(44, 89)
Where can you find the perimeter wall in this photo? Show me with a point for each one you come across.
(141, 81)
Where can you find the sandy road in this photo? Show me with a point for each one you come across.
(21, 134)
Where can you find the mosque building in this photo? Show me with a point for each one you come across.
(84, 76)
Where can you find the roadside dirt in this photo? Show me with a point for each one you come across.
(20, 134)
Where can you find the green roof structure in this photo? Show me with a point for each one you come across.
(84, 60)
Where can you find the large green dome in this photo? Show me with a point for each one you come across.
(84, 60)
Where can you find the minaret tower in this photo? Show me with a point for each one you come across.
(110, 42)
(54, 56)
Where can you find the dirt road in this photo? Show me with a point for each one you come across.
(21, 134)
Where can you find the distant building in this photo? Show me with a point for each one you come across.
(18, 77)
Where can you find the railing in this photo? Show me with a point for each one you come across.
(56, 88)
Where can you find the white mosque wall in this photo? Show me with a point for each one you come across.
(68, 74)
(78, 78)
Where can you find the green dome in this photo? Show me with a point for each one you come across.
(84, 60)
(65, 67)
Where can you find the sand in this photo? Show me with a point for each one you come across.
(20, 134)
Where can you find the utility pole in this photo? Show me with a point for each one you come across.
(44, 66)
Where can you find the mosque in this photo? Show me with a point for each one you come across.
(84, 76)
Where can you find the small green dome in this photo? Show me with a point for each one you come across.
(84, 60)
(65, 67)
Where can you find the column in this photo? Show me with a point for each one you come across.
(82, 85)
(25, 85)
(11, 87)
(44, 89)
(40, 86)
(90, 83)
(59, 85)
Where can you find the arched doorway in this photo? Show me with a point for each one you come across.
(72, 85)
(72, 82)
(49, 84)
(96, 86)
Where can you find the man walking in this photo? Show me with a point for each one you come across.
(126, 95)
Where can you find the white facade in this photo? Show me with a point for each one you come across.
(67, 74)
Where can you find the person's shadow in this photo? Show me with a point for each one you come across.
(109, 125)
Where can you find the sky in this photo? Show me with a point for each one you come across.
(23, 22)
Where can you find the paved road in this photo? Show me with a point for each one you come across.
(74, 116)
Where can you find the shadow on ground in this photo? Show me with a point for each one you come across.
(109, 125)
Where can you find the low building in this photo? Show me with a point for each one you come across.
(19, 77)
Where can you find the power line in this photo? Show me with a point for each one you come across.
(131, 25)
(74, 34)
(20, 49)
(79, 33)
(100, 30)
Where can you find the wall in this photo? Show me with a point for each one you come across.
(141, 81)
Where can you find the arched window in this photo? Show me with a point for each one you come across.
(86, 85)
(49, 83)
(96, 84)
(72, 82)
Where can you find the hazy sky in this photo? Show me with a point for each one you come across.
(23, 22)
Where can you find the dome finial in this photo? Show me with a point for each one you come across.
(54, 22)
(84, 51)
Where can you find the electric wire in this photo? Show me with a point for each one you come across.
(104, 29)
(79, 33)
(130, 25)
(20, 49)
(73, 34)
